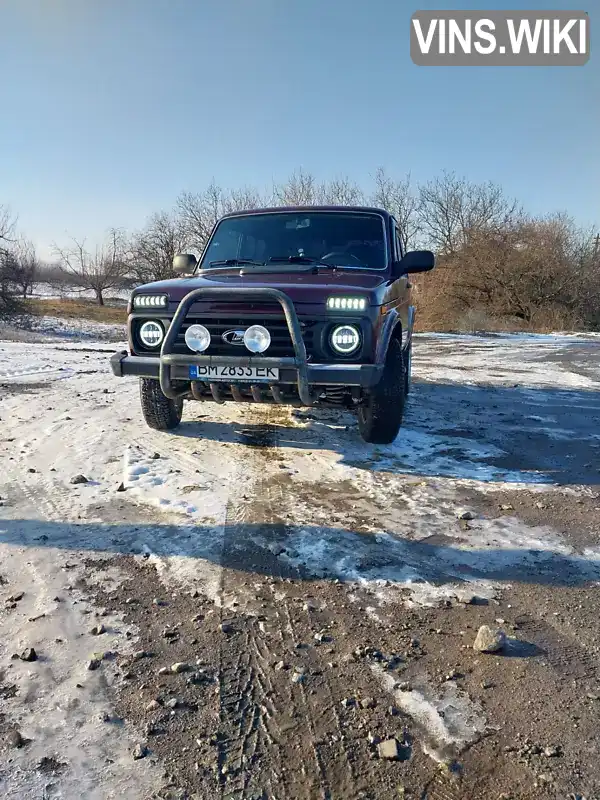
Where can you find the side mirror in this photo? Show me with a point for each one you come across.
(415, 261)
(184, 264)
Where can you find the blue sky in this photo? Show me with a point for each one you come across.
(113, 107)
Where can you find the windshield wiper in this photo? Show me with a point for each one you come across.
(235, 262)
(304, 260)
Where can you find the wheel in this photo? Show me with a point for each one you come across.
(380, 414)
(160, 412)
(408, 368)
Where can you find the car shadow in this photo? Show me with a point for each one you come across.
(514, 434)
(311, 553)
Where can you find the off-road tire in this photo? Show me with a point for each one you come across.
(408, 368)
(160, 412)
(380, 413)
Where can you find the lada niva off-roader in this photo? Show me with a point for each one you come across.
(305, 306)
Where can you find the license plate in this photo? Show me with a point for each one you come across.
(226, 374)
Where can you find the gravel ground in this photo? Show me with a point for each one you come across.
(262, 606)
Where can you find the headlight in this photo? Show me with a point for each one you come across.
(150, 301)
(197, 338)
(345, 339)
(257, 338)
(151, 333)
(342, 303)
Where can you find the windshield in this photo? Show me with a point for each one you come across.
(341, 239)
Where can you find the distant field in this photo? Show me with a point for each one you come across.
(50, 291)
(75, 309)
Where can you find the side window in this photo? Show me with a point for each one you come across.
(399, 247)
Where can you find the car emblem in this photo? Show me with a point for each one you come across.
(233, 337)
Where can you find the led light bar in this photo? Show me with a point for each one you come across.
(150, 301)
(343, 303)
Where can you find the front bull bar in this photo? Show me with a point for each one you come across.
(168, 358)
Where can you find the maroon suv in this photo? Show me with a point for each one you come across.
(306, 306)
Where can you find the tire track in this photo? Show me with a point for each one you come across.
(560, 652)
(258, 704)
(250, 707)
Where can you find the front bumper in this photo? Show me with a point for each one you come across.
(173, 368)
(362, 375)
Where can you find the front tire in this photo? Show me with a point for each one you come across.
(160, 412)
(380, 414)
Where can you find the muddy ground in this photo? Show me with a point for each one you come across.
(282, 607)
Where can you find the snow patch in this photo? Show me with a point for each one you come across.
(76, 328)
(59, 703)
(435, 560)
(447, 719)
(154, 481)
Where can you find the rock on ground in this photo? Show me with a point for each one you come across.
(489, 640)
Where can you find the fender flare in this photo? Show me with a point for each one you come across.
(410, 327)
(391, 324)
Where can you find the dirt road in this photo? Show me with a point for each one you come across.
(262, 606)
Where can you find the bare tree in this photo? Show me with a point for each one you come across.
(8, 262)
(300, 189)
(8, 223)
(340, 191)
(25, 266)
(153, 248)
(451, 209)
(100, 269)
(7, 277)
(198, 214)
(243, 199)
(531, 270)
(397, 197)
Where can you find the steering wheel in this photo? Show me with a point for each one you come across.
(339, 254)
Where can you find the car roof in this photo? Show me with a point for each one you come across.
(302, 209)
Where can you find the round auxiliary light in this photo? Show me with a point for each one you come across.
(345, 339)
(257, 338)
(197, 338)
(151, 333)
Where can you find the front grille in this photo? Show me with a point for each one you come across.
(281, 341)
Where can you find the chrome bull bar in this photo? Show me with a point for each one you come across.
(168, 358)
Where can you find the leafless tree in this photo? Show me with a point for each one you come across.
(198, 214)
(25, 266)
(7, 277)
(8, 263)
(99, 269)
(243, 199)
(8, 223)
(300, 189)
(452, 209)
(303, 189)
(153, 248)
(340, 191)
(532, 269)
(397, 197)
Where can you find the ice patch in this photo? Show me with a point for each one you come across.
(432, 454)
(442, 561)
(448, 720)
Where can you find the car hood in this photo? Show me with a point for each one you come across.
(302, 286)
